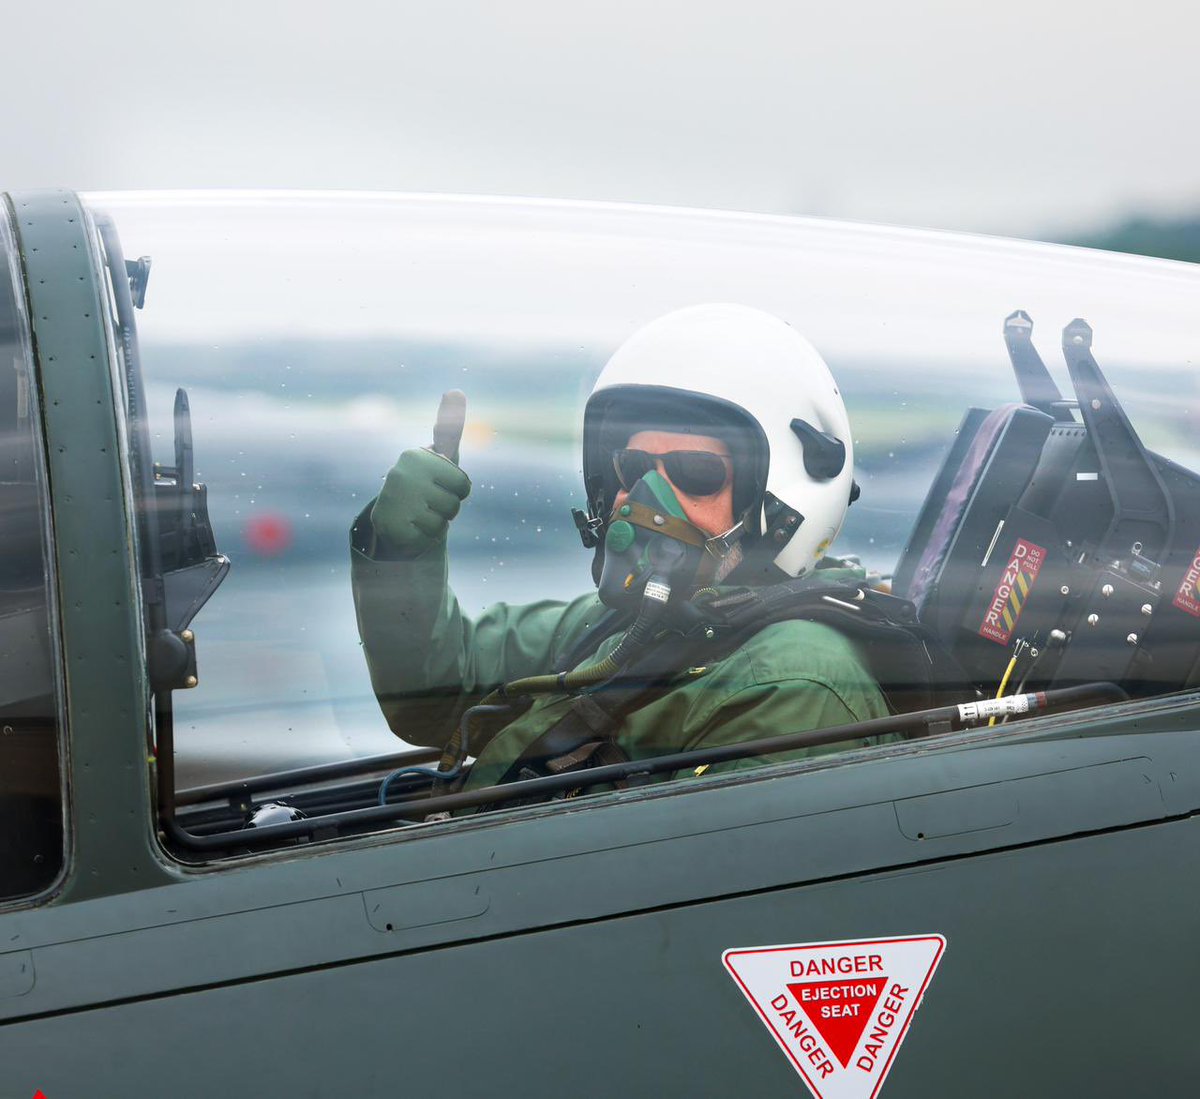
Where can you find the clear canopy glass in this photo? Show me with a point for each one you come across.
(315, 333)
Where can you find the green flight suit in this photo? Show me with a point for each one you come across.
(428, 662)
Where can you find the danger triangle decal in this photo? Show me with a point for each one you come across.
(839, 1011)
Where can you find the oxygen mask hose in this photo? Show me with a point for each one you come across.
(655, 596)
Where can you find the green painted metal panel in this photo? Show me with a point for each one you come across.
(334, 905)
(113, 849)
(1070, 969)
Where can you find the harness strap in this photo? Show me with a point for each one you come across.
(585, 720)
(595, 753)
(659, 521)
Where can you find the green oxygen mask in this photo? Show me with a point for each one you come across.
(650, 538)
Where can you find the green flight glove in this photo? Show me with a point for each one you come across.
(424, 489)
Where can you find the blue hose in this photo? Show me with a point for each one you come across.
(464, 730)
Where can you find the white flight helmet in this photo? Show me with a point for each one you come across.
(748, 377)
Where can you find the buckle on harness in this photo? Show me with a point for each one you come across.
(720, 544)
(589, 526)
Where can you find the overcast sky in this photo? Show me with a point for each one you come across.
(1021, 117)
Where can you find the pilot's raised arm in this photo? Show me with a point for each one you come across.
(427, 659)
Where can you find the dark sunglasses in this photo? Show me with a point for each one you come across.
(695, 472)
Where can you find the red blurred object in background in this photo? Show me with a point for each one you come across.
(268, 534)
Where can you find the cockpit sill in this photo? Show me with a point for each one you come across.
(938, 735)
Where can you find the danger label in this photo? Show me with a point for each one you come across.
(1008, 600)
(840, 1010)
(1185, 598)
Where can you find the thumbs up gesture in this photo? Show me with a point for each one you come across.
(424, 489)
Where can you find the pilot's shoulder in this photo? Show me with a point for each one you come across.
(808, 665)
(799, 649)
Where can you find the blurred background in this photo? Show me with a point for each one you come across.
(1059, 120)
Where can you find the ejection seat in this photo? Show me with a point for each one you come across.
(1053, 549)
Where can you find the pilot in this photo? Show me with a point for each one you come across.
(716, 459)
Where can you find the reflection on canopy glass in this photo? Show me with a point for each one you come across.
(943, 488)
